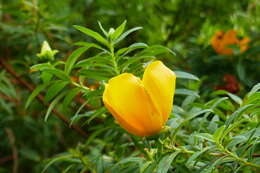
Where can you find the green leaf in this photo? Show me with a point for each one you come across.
(94, 74)
(133, 60)
(219, 133)
(195, 114)
(130, 159)
(165, 163)
(70, 95)
(55, 89)
(60, 157)
(73, 58)
(52, 105)
(100, 165)
(213, 165)
(88, 45)
(92, 34)
(254, 90)
(68, 168)
(96, 113)
(182, 91)
(30, 154)
(241, 71)
(46, 77)
(131, 48)
(101, 59)
(185, 75)
(150, 168)
(155, 50)
(6, 106)
(197, 154)
(237, 113)
(235, 98)
(58, 73)
(118, 31)
(125, 34)
(35, 92)
(145, 166)
(102, 29)
(206, 136)
(42, 66)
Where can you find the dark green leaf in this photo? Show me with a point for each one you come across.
(166, 162)
(55, 89)
(35, 92)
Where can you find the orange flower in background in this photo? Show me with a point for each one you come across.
(141, 107)
(244, 44)
(222, 40)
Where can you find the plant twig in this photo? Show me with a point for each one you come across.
(11, 139)
(40, 97)
(234, 156)
(6, 159)
(7, 98)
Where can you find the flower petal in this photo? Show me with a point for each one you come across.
(127, 100)
(230, 38)
(216, 41)
(244, 44)
(159, 82)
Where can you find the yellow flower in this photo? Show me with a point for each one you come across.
(141, 106)
(222, 40)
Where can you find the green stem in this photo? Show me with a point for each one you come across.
(80, 86)
(114, 59)
(142, 149)
(223, 149)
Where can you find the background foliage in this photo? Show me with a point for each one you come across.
(52, 118)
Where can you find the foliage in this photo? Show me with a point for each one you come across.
(209, 130)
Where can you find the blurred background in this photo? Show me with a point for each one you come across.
(184, 26)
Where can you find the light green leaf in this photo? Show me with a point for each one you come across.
(206, 136)
(213, 165)
(42, 66)
(197, 154)
(235, 98)
(94, 74)
(73, 58)
(182, 91)
(58, 73)
(219, 133)
(52, 105)
(89, 45)
(185, 75)
(237, 113)
(102, 29)
(254, 90)
(131, 48)
(60, 157)
(118, 31)
(92, 34)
